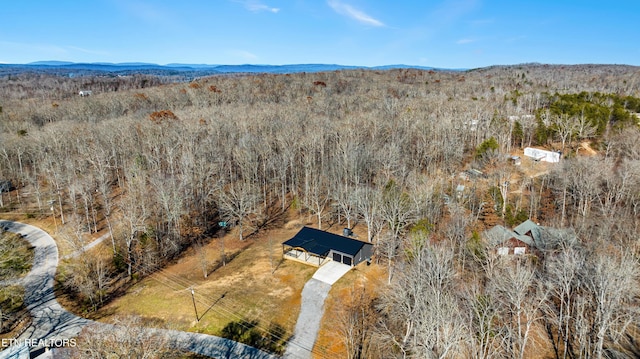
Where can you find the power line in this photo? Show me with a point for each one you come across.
(186, 283)
(175, 282)
(231, 313)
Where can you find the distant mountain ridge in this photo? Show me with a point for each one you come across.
(188, 70)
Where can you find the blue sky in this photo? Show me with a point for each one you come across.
(440, 33)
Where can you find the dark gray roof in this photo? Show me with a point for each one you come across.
(499, 234)
(525, 227)
(541, 237)
(549, 237)
(321, 243)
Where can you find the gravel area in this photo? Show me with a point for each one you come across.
(304, 336)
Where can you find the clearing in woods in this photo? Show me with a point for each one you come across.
(243, 289)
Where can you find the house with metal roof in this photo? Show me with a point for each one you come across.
(316, 247)
(528, 227)
(506, 241)
(527, 237)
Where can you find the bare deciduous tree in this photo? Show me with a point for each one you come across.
(237, 202)
(127, 337)
(356, 324)
(563, 278)
(612, 287)
(486, 336)
(397, 211)
(423, 300)
(367, 201)
(520, 297)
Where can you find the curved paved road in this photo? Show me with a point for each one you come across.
(51, 321)
(85, 248)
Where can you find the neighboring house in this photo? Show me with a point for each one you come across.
(527, 237)
(508, 242)
(316, 247)
(528, 228)
(542, 155)
(474, 173)
(549, 238)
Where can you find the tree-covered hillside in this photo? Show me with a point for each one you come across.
(418, 160)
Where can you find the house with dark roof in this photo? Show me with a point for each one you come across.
(507, 242)
(528, 228)
(527, 237)
(316, 247)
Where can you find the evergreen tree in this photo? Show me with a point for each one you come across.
(486, 147)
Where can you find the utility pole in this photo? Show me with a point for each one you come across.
(53, 212)
(194, 304)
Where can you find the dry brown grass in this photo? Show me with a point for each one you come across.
(329, 343)
(244, 289)
(20, 327)
(43, 222)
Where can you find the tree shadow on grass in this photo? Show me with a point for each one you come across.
(272, 339)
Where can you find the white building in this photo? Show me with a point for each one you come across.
(542, 155)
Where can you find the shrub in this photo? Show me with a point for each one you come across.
(488, 146)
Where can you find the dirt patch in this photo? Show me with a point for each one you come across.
(295, 224)
(585, 149)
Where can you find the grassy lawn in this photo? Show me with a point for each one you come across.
(14, 313)
(246, 289)
(16, 256)
(243, 290)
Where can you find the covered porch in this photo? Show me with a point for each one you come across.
(301, 255)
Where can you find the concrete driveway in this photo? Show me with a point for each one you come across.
(331, 272)
(314, 293)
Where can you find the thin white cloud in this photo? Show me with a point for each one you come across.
(257, 6)
(87, 51)
(353, 13)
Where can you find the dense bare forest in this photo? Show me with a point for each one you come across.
(160, 164)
